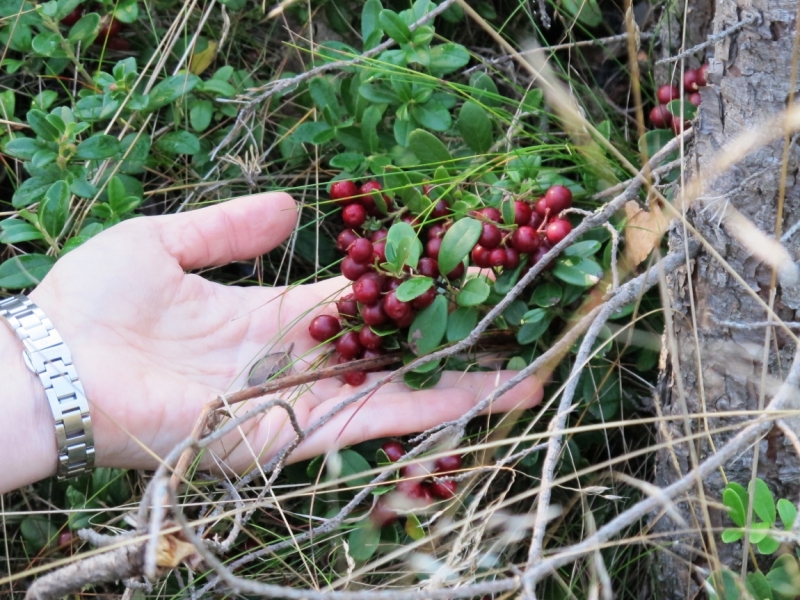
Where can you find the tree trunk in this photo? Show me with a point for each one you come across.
(749, 83)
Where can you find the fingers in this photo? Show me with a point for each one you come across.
(397, 411)
(238, 229)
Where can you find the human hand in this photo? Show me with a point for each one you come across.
(153, 344)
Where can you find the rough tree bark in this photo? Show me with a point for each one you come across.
(750, 81)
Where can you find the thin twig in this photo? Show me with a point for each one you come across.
(712, 39)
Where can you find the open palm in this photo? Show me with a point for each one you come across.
(152, 344)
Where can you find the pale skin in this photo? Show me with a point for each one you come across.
(153, 344)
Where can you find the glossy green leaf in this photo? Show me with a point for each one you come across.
(654, 140)
(15, 231)
(433, 115)
(428, 148)
(98, 146)
(201, 112)
(514, 313)
(475, 127)
(447, 58)
(41, 127)
(484, 89)
(763, 502)
(414, 528)
(25, 271)
(24, 147)
(758, 586)
(731, 535)
(403, 246)
(786, 509)
(547, 294)
(422, 381)
(135, 148)
(179, 142)
(413, 288)
(534, 323)
(85, 29)
(461, 322)
(378, 93)
(582, 249)
(758, 532)
(508, 279)
(736, 509)
(428, 328)
(54, 209)
(394, 26)
(126, 11)
(370, 19)
(324, 96)
(583, 272)
(724, 585)
(458, 242)
(689, 109)
(47, 43)
(353, 464)
(369, 128)
(784, 577)
(586, 12)
(363, 541)
(474, 292)
(38, 532)
(170, 89)
(768, 545)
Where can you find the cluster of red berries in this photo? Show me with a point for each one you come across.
(374, 302)
(417, 487)
(107, 35)
(660, 116)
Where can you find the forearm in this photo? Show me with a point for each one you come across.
(27, 433)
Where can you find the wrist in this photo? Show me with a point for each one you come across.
(27, 432)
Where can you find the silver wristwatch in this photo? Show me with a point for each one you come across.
(46, 355)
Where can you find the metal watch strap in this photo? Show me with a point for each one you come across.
(48, 357)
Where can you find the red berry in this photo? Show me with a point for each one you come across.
(394, 308)
(558, 198)
(660, 117)
(379, 248)
(347, 237)
(355, 378)
(490, 213)
(365, 195)
(480, 256)
(525, 239)
(382, 515)
(361, 251)
(678, 126)
(343, 191)
(394, 450)
(491, 236)
(536, 220)
(367, 289)
(512, 259)
(424, 300)
(557, 230)
(444, 490)
(354, 215)
(353, 270)
(667, 93)
(347, 306)
(420, 492)
(373, 353)
(65, 538)
(373, 314)
(369, 339)
(407, 320)
(522, 212)
(435, 231)
(456, 273)
(109, 28)
(690, 81)
(695, 98)
(118, 44)
(348, 345)
(378, 236)
(324, 327)
(432, 247)
(448, 463)
(73, 17)
(702, 75)
(440, 209)
(368, 187)
(409, 220)
(538, 255)
(497, 257)
(391, 283)
(541, 207)
(428, 267)
(426, 189)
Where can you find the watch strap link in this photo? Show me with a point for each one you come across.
(48, 357)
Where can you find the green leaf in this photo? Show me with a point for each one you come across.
(475, 127)
(586, 12)
(758, 586)
(370, 20)
(422, 381)
(583, 249)
(179, 142)
(25, 271)
(200, 114)
(54, 209)
(786, 509)
(16, 231)
(546, 294)
(377, 93)
(135, 156)
(768, 545)
(170, 89)
(689, 109)
(428, 328)
(403, 246)
(534, 323)
(507, 280)
(38, 532)
(30, 191)
(369, 128)
(461, 322)
(414, 528)
(458, 242)
(731, 535)
(428, 148)
(733, 501)
(433, 115)
(474, 292)
(724, 585)
(41, 126)
(446, 58)
(763, 502)
(353, 464)
(758, 532)
(413, 288)
(654, 140)
(394, 26)
(324, 96)
(47, 43)
(784, 577)
(126, 11)
(24, 147)
(364, 540)
(484, 89)
(582, 272)
(515, 312)
(85, 29)
(98, 146)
